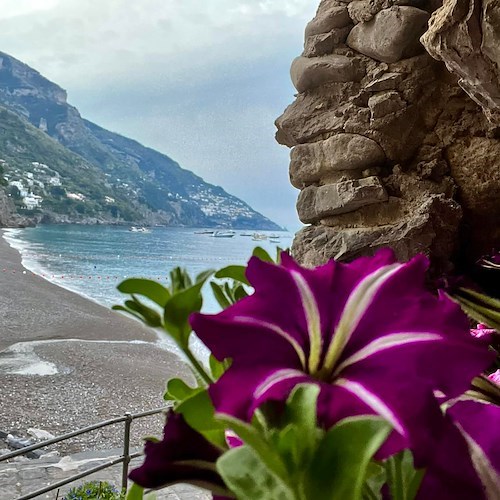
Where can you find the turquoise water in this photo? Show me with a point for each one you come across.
(92, 260)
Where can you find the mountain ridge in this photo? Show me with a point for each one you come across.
(134, 183)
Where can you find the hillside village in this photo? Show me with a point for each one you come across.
(28, 188)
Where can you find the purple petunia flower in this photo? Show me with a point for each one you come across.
(482, 330)
(183, 456)
(495, 377)
(368, 333)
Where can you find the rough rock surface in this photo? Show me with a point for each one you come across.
(391, 35)
(465, 35)
(308, 73)
(343, 152)
(316, 203)
(8, 216)
(402, 156)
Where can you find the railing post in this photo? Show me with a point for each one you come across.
(126, 451)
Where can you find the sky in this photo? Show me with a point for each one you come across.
(199, 80)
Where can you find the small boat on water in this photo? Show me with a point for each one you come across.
(139, 229)
(204, 232)
(259, 237)
(246, 234)
(223, 234)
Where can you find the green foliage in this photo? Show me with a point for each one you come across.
(94, 490)
(21, 143)
(482, 308)
(297, 460)
(170, 309)
(402, 478)
(136, 492)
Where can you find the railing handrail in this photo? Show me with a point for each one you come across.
(84, 430)
(125, 458)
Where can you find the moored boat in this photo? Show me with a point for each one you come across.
(223, 234)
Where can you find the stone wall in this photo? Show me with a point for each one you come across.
(387, 147)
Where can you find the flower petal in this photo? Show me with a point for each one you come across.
(229, 336)
(403, 306)
(450, 474)
(241, 390)
(479, 422)
(182, 456)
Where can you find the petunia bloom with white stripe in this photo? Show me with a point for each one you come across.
(368, 333)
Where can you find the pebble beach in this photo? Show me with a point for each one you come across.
(97, 364)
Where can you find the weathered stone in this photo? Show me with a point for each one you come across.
(431, 228)
(328, 19)
(316, 203)
(308, 73)
(466, 38)
(306, 204)
(311, 162)
(362, 11)
(388, 81)
(475, 166)
(347, 196)
(321, 111)
(385, 103)
(324, 43)
(491, 30)
(391, 35)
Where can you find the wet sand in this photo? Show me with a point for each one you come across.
(95, 380)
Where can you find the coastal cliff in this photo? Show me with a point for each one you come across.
(393, 145)
(63, 168)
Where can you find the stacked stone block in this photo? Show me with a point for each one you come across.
(375, 131)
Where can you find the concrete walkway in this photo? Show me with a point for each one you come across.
(19, 478)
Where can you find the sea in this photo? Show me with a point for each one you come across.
(93, 260)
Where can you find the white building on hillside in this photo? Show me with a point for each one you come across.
(32, 201)
(20, 186)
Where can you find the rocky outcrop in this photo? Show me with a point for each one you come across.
(465, 35)
(395, 153)
(8, 215)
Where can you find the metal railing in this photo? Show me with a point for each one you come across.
(124, 459)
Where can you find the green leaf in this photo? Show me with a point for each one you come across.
(220, 295)
(147, 288)
(198, 411)
(179, 280)
(249, 479)
(150, 316)
(402, 477)
(375, 479)
(479, 312)
(301, 414)
(301, 409)
(204, 275)
(236, 273)
(482, 308)
(261, 254)
(135, 492)
(240, 293)
(217, 368)
(253, 438)
(339, 467)
(129, 311)
(177, 311)
(178, 390)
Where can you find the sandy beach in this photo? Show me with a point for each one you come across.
(100, 372)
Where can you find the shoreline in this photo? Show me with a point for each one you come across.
(105, 364)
